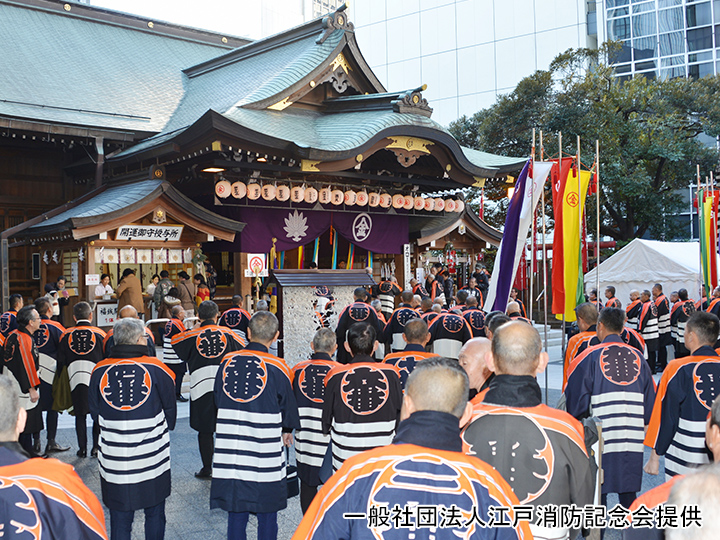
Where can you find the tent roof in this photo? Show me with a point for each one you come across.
(649, 261)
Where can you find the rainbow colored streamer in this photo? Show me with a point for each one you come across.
(335, 252)
(316, 251)
(351, 256)
(282, 259)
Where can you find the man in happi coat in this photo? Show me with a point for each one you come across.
(613, 380)
(203, 349)
(256, 414)
(47, 340)
(8, 321)
(22, 361)
(358, 311)
(685, 394)
(176, 364)
(81, 347)
(42, 499)
(393, 331)
(309, 386)
(132, 398)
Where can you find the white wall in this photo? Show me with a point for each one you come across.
(466, 51)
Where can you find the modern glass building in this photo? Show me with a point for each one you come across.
(665, 38)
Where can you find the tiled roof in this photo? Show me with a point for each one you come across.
(110, 200)
(70, 69)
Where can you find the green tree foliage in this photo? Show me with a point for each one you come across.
(652, 134)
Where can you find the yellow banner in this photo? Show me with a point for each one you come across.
(573, 209)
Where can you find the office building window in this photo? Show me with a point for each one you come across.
(699, 39)
(670, 19)
(698, 15)
(673, 43)
(644, 25)
(619, 29)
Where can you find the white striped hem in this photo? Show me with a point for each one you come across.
(449, 348)
(251, 417)
(134, 478)
(244, 445)
(46, 371)
(311, 437)
(626, 446)
(202, 381)
(600, 409)
(136, 424)
(125, 465)
(79, 372)
(127, 452)
(244, 475)
(364, 427)
(310, 411)
(693, 426)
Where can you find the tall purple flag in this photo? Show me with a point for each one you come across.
(517, 223)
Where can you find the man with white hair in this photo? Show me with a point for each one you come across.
(132, 398)
(42, 497)
(472, 360)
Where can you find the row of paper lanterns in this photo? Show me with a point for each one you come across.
(326, 195)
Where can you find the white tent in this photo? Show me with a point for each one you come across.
(642, 263)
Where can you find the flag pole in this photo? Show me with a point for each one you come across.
(544, 262)
(554, 261)
(532, 230)
(700, 232)
(581, 216)
(597, 219)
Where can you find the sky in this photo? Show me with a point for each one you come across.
(244, 18)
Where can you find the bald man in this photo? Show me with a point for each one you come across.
(428, 449)
(128, 312)
(632, 310)
(513, 431)
(472, 360)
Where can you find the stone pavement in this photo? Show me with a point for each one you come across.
(188, 510)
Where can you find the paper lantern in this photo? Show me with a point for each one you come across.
(324, 195)
(409, 202)
(350, 197)
(418, 203)
(238, 190)
(385, 200)
(362, 198)
(222, 189)
(373, 199)
(297, 194)
(459, 205)
(450, 205)
(268, 192)
(253, 191)
(439, 204)
(429, 204)
(398, 200)
(282, 193)
(337, 197)
(311, 195)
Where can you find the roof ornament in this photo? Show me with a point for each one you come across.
(335, 21)
(413, 102)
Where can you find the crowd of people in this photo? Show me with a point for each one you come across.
(420, 415)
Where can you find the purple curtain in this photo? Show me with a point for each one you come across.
(380, 233)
